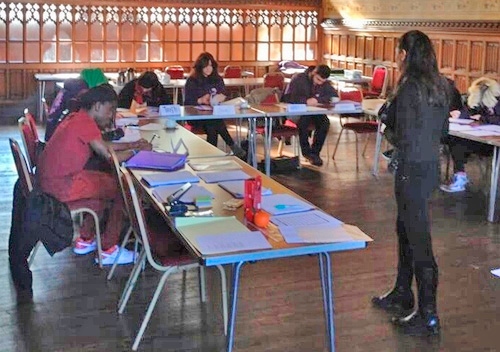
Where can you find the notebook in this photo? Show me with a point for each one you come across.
(237, 188)
(160, 161)
(218, 176)
(169, 178)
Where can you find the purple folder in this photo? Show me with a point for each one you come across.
(159, 161)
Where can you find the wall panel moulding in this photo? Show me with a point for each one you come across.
(492, 27)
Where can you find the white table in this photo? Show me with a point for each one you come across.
(371, 108)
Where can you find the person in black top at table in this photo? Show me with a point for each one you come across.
(418, 117)
(206, 87)
(312, 88)
(146, 89)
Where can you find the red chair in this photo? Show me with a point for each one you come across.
(378, 84)
(274, 80)
(232, 71)
(359, 127)
(175, 72)
(29, 135)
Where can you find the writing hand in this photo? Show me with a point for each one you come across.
(312, 101)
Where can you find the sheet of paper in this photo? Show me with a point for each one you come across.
(496, 272)
(284, 204)
(169, 178)
(214, 165)
(315, 108)
(120, 122)
(482, 133)
(237, 188)
(126, 113)
(308, 218)
(219, 176)
(461, 121)
(315, 234)
(203, 108)
(495, 128)
(152, 126)
(162, 192)
(458, 127)
(231, 242)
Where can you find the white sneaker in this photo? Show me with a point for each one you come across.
(458, 183)
(83, 246)
(108, 257)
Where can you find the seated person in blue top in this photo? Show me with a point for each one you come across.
(146, 89)
(484, 106)
(312, 88)
(206, 87)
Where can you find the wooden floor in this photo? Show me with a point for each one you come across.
(280, 306)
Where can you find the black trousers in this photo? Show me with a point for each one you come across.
(214, 128)
(321, 126)
(461, 148)
(20, 243)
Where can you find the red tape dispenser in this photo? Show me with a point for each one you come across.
(253, 196)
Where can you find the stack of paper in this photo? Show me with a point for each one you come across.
(169, 178)
(284, 204)
(219, 176)
(161, 161)
(237, 188)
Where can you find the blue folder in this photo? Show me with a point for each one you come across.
(160, 161)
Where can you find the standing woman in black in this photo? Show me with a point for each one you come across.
(417, 116)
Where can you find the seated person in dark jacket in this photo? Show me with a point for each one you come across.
(206, 87)
(312, 88)
(146, 89)
(484, 106)
(64, 103)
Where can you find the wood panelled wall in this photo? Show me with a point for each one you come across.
(462, 55)
(68, 35)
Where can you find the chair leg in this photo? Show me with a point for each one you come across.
(31, 258)
(203, 287)
(366, 144)
(115, 263)
(151, 307)
(280, 147)
(223, 288)
(357, 152)
(337, 144)
(132, 279)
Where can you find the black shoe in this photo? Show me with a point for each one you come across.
(314, 160)
(395, 301)
(387, 155)
(418, 324)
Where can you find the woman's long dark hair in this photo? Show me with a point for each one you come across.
(420, 66)
(201, 62)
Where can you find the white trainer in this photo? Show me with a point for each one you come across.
(458, 183)
(124, 256)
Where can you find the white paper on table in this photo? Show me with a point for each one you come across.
(120, 122)
(214, 165)
(231, 242)
(125, 113)
(130, 136)
(163, 192)
(494, 128)
(315, 234)
(152, 127)
(461, 121)
(458, 127)
(315, 108)
(284, 204)
(481, 133)
(218, 176)
(309, 218)
(496, 272)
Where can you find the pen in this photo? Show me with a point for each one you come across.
(153, 138)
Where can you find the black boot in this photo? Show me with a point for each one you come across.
(425, 320)
(400, 300)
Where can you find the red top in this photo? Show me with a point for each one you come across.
(69, 149)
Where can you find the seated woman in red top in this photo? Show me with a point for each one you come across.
(62, 172)
(206, 87)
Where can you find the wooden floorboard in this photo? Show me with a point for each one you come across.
(280, 305)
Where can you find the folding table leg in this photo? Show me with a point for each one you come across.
(234, 303)
(327, 289)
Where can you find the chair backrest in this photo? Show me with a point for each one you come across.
(274, 80)
(137, 217)
(175, 72)
(30, 141)
(25, 176)
(32, 122)
(350, 93)
(232, 71)
(379, 79)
